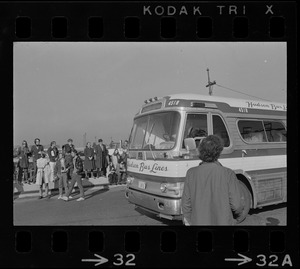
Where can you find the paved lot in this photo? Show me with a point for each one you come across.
(110, 207)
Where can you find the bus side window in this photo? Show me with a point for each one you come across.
(275, 131)
(252, 131)
(219, 129)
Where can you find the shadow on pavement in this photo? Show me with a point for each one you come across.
(90, 195)
(155, 217)
(267, 208)
(19, 188)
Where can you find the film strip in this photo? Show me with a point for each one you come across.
(147, 245)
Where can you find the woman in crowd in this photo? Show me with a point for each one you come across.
(23, 154)
(53, 157)
(43, 174)
(89, 163)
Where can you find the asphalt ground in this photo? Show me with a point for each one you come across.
(107, 205)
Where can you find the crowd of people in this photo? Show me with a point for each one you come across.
(67, 167)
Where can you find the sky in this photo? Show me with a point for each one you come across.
(66, 89)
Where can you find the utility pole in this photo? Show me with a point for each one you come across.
(210, 84)
(84, 139)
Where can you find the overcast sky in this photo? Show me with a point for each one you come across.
(65, 89)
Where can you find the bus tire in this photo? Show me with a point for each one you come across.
(248, 200)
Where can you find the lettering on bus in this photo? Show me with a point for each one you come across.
(267, 106)
(152, 168)
(173, 103)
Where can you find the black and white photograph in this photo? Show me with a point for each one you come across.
(149, 133)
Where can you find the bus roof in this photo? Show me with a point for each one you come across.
(232, 102)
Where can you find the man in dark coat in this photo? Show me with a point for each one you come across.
(102, 159)
(68, 148)
(211, 192)
(36, 151)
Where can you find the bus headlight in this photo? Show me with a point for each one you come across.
(175, 188)
(129, 180)
(163, 187)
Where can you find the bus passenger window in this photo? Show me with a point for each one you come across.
(252, 131)
(275, 130)
(219, 129)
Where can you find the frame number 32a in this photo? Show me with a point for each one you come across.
(272, 260)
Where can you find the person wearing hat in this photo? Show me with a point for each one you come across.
(36, 150)
(76, 177)
(43, 174)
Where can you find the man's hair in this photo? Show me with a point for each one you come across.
(210, 148)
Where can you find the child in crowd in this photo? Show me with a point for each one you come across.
(43, 174)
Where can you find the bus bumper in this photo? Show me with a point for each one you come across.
(164, 207)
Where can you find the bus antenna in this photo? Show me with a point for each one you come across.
(210, 84)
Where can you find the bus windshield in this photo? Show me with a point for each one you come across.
(155, 131)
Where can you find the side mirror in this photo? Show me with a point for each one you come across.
(190, 143)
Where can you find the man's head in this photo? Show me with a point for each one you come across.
(70, 141)
(74, 153)
(210, 148)
(100, 141)
(37, 141)
(53, 144)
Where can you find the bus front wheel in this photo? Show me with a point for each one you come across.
(247, 202)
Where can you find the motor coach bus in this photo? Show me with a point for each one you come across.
(164, 141)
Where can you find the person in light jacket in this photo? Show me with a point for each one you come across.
(211, 192)
(43, 175)
(53, 157)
